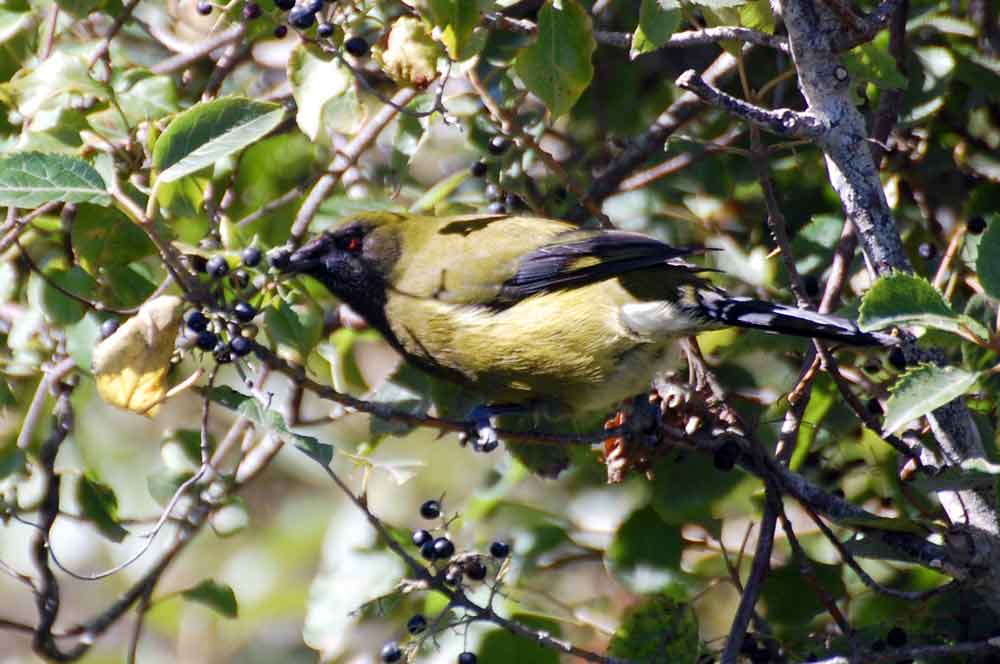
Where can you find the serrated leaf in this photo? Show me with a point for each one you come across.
(656, 24)
(325, 93)
(250, 408)
(294, 329)
(921, 390)
(988, 260)
(906, 299)
(48, 85)
(556, 67)
(100, 505)
(31, 179)
(217, 596)
(209, 131)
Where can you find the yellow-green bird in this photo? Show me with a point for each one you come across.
(535, 311)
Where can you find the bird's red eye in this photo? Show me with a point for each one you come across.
(353, 245)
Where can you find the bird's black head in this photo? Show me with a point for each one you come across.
(353, 261)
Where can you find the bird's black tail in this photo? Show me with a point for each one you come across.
(783, 319)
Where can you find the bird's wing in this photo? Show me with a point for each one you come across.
(467, 260)
(582, 257)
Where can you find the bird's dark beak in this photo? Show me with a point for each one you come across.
(305, 258)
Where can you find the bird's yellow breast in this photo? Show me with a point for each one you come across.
(565, 346)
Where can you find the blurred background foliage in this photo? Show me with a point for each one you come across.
(301, 562)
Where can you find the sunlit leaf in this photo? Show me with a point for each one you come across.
(31, 179)
(906, 299)
(656, 24)
(209, 131)
(130, 366)
(923, 389)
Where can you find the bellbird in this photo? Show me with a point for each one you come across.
(531, 310)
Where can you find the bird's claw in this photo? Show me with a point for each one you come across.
(481, 431)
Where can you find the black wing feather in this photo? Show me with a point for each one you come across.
(563, 263)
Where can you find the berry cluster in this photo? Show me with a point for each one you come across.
(228, 333)
(460, 566)
(303, 14)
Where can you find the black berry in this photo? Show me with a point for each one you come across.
(244, 311)
(475, 569)
(897, 359)
(453, 576)
(280, 31)
(420, 537)
(496, 207)
(108, 328)
(204, 7)
(498, 145)
(499, 550)
(251, 255)
(197, 262)
(217, 267)
(976, 225)
(443, 548)
(896, 637)
(196, 321)
(416, 624)
(431, 509)
(427, 550)
(493, 192)
(478, 169)
(726, 456)
(356, 46)
(324, 30)
(251, 11)
(284, 5)
(467, 658)
(207, 341)
(927, 251)
(390, 652)
(313, 6)
(301, 18)
(240, 346)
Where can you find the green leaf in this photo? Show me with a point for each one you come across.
(658, 631)
(6, 395)
(57, 305)
(294, 329)
(922, 389)
(456, 20)
(872, 62)
(209, 131)
(988, 260)
(787, 599)
(81, 339)
(100, 505)
(103, 236)
(129, 284)
(557, 67)
(502, 647)
(250, 408)
(217, 596)
(440, 191)
(50, 85)
(30, 179)
(656, 24)
(645, 553)
(906, 299)
(325, 92)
